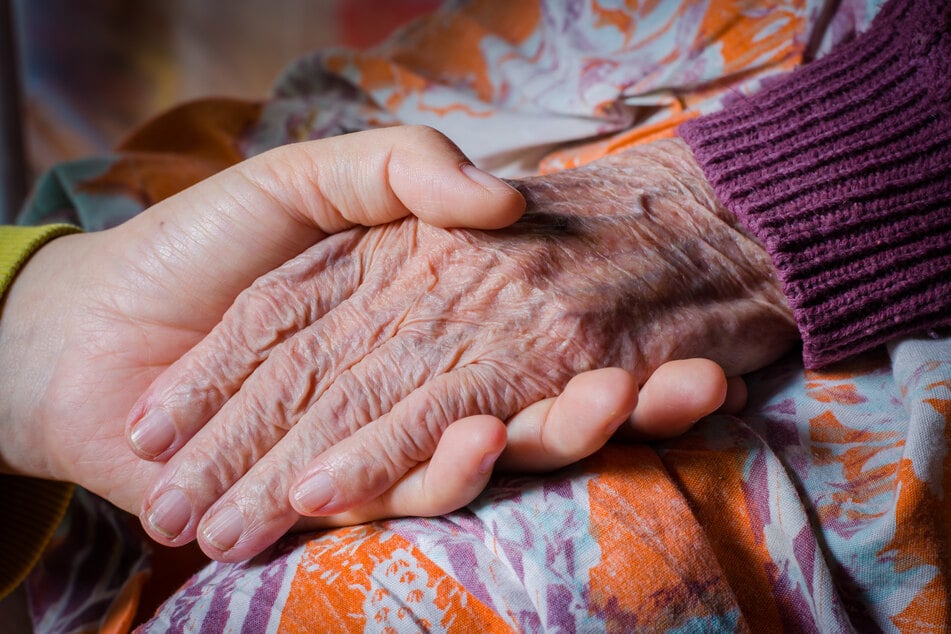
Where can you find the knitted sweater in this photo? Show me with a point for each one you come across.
(843, 170)
(31, 508)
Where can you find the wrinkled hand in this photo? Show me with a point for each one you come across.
(400, 330)
(93, 319)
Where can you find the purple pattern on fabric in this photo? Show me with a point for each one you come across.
(786, 406)
(804, 547)
(462, 557)
(218, 609)
(756, 491)
(560, 610)
(266, 596)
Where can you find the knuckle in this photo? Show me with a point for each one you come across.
(286, 385)
(199, 391)
(264, 490)
(207, 471)
(418, 427)
(265, 314)
(282, 174)
(371, 465)
(336, 419)
(427, 135)
(376, 473)
(352, 401)
(265, 417)
(371, 389)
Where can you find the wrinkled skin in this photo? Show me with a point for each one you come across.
(362, 350)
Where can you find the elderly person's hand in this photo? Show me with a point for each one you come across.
(397, 331)
(93, 319)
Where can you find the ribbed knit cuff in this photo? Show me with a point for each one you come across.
(31, 508)
(17, 244)
(843, 170)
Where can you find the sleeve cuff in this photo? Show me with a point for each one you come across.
(843, 171)
(32, 511)
(17, 244)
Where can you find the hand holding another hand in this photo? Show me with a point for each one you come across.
(92, 319)
(397, 331)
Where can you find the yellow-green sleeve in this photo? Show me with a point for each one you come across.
(31, 508)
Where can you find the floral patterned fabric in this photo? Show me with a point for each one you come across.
(821, 508)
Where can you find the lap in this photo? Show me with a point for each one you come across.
(821, 504)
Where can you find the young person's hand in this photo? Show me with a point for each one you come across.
(92, 319)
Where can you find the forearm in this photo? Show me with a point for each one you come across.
(843, 171)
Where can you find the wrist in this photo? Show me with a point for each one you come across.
(31, 334)
(734, 267)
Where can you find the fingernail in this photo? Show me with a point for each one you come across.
(224, 529)
(153, 434)
(482, 178)
(170, 513)
(314, 492)
(488, 462)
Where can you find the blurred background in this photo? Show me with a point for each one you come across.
(90, 70)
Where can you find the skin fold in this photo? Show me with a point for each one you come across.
(335, 375)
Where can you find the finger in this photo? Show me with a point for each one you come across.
(736, 396)
(428, 176)
(302, 400)
(674, 397)
(368, 462)
(456, 474)
(270, 404)
(274, 309)
(559, 431)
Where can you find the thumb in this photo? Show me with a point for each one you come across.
(379, 176)
(245, 221)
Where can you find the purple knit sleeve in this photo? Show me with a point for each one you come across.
(843, 170)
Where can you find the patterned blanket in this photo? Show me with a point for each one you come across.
(821, 508)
